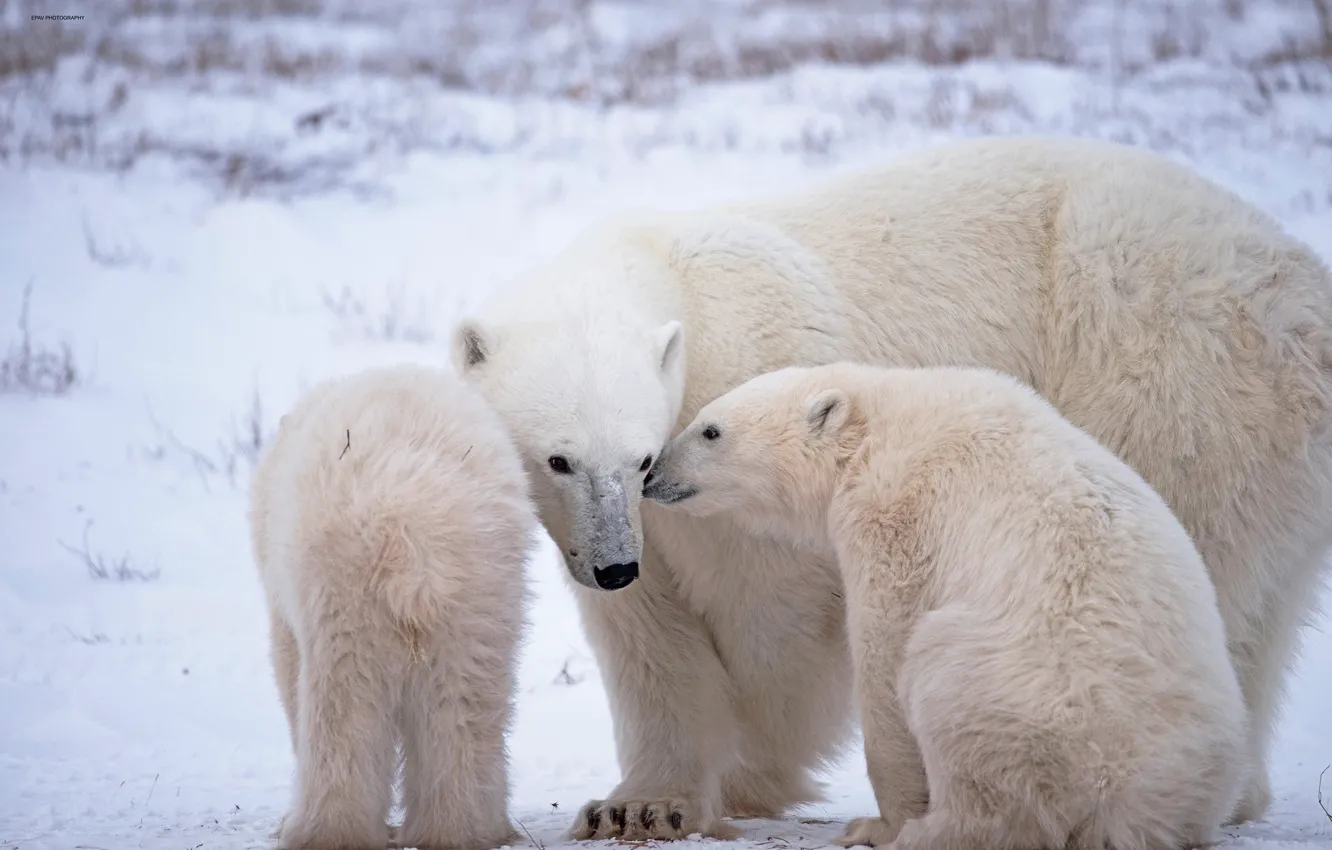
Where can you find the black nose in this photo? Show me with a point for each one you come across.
(652, 473)
(615, 576)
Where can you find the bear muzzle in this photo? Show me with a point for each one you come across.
(615, 576)
(664, 491)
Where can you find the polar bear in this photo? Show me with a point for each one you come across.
(391, 520)
(1177, 325)
(1038, 655)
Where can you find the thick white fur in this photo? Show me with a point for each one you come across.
(1177, 325)
(391, 522)
(1039, 658)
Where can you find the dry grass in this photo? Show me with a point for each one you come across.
(390, 318)
(1321, 804)
(559, 48)
(244, 446)
(104, 568)
(107, 253)
(34, 368)
(1323, 8)
(66, 88)
(235, 455)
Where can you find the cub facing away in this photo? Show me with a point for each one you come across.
(1039, 658)
(391, 522)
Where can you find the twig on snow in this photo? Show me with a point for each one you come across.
(1321, 804)
(564, 677)
(531, 837)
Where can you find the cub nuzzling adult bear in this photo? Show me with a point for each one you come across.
(1168, 318)
(1039, 658)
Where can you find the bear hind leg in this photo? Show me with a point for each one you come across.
(1263, 648)
(346, 746)
(455, 715)
(767, 791)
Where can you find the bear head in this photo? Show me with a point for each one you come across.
(589, 404)
(767, 453)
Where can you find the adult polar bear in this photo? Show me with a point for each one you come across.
(1175, 323)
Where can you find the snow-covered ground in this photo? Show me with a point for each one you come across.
(211, 237)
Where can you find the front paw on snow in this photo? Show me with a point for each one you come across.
(644, 820)
(867, 831)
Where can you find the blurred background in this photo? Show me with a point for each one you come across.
(292, 95)
(208, 205)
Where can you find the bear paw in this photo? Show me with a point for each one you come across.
(286, 839)
(1255, 802)
(450, 839)
(868, 831)
(645, 820)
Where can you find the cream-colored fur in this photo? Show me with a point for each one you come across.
(391, 522)
(1173, 322)
(1039, 658)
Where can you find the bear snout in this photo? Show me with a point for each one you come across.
(615, 576)
(652, 485)
(666, 491)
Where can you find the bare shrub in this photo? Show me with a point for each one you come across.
(244, 447)
(240, 451)
(1321, 804)
(34, 49)
(1323, 8)
(203, 465)
(109, 255)
(549, 50)
(554, 48)
(34, 368)
(105, 568)
(90, 640)
(392, 319)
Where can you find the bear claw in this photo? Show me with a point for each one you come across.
(646, 820)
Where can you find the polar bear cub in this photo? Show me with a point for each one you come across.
(1039, 658)
(391, 522)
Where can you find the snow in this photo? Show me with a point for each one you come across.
(208, 254)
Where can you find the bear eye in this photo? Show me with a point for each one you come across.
(646, 464)
(711, 432)
(559, 464)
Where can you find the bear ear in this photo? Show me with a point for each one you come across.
(669, 339)
(827, 411)
(470, 347)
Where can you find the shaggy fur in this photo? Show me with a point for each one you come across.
(1169, 319)
(391, 522)
(1039, 659)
